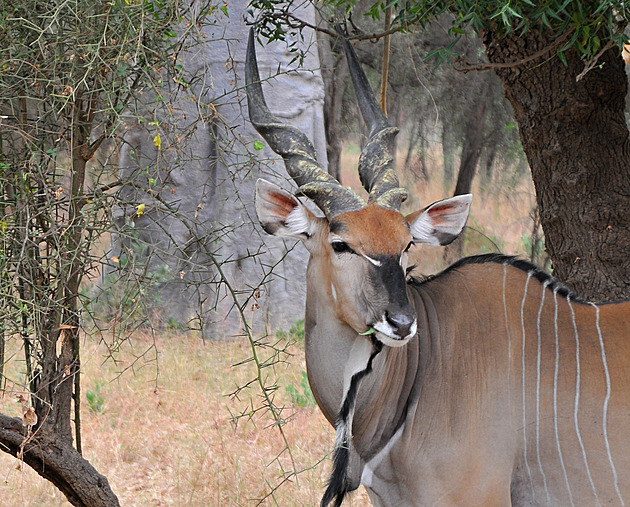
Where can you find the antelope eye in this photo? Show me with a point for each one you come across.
(340, 246)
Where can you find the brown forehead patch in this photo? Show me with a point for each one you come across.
(373, 230)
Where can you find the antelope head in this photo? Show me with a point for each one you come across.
(359, 249)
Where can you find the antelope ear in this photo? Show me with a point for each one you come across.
(441, 222)
(281, 214)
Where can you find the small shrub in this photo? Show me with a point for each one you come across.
(302, 396)
(95, 402)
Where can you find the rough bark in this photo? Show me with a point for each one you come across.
(576, 140)
(57, 461)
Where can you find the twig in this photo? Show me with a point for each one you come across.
(468, 67)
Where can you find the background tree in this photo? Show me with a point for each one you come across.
(209, 180)
(561, 67)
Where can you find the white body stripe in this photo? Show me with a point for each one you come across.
(576, 405)
(556, 370)
(538, 375)
(606, 402)
(524, 407)
(509, 337)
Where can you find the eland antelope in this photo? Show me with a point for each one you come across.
(487, 384)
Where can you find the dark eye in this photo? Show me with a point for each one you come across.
(340, 246)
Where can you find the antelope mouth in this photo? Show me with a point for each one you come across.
(394, 337)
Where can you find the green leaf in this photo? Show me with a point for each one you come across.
(258, 145)
(369, 331)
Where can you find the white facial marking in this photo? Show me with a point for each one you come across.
(403, 260)
(333, 292)
(373, 261)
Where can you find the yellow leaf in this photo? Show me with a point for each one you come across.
(157, 140)
(139, 209)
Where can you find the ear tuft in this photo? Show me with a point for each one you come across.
(441, 222)
(280, 213)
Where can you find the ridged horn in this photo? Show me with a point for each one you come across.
(376, 163)
(295, 148)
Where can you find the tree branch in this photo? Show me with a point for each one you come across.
(468, 67)
(58, 463)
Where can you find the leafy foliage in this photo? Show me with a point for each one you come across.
(587, 26)
(295, 334)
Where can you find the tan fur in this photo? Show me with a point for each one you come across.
(375, 231)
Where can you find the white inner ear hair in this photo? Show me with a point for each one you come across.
(298, 221)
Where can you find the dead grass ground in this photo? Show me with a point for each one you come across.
(172, 441)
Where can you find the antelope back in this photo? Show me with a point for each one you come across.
(536, 378)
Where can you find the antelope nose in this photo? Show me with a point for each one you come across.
(402, 323)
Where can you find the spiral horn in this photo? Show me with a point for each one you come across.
(295, 148)
(376, 163)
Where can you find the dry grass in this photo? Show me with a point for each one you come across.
(173, 441)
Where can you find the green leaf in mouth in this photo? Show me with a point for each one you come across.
(369, 331)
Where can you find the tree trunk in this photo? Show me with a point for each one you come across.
(576, 140)
(471, 151)
(448, 154)
(488, 172)
(334, 78)
(195, 238)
